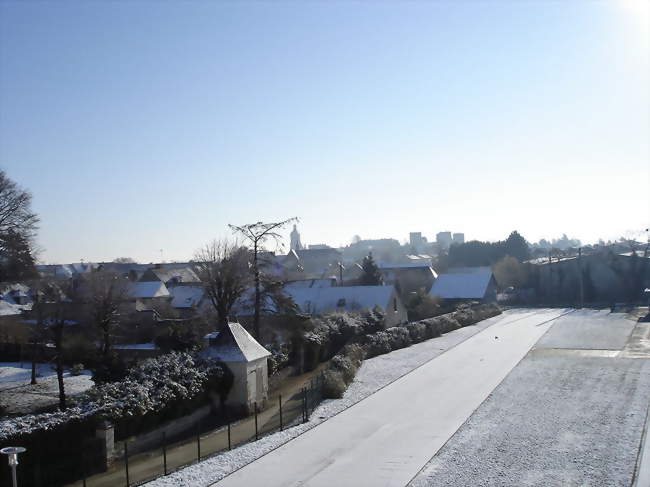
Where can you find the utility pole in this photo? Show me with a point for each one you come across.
(582, 287)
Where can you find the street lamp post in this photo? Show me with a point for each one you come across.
(12, 454)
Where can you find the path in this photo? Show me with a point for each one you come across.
(385, 439)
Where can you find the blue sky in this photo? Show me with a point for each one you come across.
(141, 126)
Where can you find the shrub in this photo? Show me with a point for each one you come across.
(417, 331)
(377, 344)
(77, 369)
(399, 337)
(334, 385)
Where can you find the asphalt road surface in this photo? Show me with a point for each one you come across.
(386, 439)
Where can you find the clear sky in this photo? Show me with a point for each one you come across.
(141, 126)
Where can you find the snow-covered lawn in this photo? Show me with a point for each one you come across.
(18, 396)
(590, 329)
(374, 374)
(555, 420)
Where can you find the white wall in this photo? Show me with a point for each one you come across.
(250, 384)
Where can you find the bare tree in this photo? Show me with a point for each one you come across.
(39, 314)
(104, 293)
(258, 234)
(222, 266)
(18, 225)
(51, 309)
(16, 213)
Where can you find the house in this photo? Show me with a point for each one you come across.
(246, 359)
(419, 259)
(477, 284)
(187, 299)
(321, 300)
(303, 283)
(66, 271)
(412, 277)
(171, 276)
(318, 263)
(147, 295)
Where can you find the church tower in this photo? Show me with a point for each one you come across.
(295, 239)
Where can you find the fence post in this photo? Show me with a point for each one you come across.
(198, 441)
(126, 461)
(164, 445)
(256, 436)
(229, 444)
(83, 468)
(304, 404)
(281, 425)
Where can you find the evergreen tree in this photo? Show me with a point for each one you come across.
(371, 275)
(516, 246)
(16, 260)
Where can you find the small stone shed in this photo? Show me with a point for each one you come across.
(247, 360)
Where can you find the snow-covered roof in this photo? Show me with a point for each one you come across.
(186, 296)
(349, 298)
(136, 346)
(303, 283)
(177, 275)
(154, 289)
(418, 257)
(10, 309)
(410, 265)
(235, 344)
(50, 322)
(461, 286)
(470, 270)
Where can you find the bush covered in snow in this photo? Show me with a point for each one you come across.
(150, 387)
(331, 333)
(345, 364)
(279, 358)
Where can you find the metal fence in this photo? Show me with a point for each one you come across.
(129, 469)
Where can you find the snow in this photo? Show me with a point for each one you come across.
(350, 298)
(10, 309)
(557, 420)
(186, 296)
(461, 286)
(137, 346)
(590, 329)
(235, 344)
(386, 438)
(17, 395)
(373, 375)
(154, 289)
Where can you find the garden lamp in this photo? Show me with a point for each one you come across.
(12, 454)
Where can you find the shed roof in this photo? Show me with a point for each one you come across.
(235, 344)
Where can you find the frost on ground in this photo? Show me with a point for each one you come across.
(374, 374)
(589, 329)
(553, 421)
(18, 396)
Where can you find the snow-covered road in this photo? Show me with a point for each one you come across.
(386, 438)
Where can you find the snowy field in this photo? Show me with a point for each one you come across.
(553, 421)
(17, 396)
(374, 374)
(590, 329)
(564, 418)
